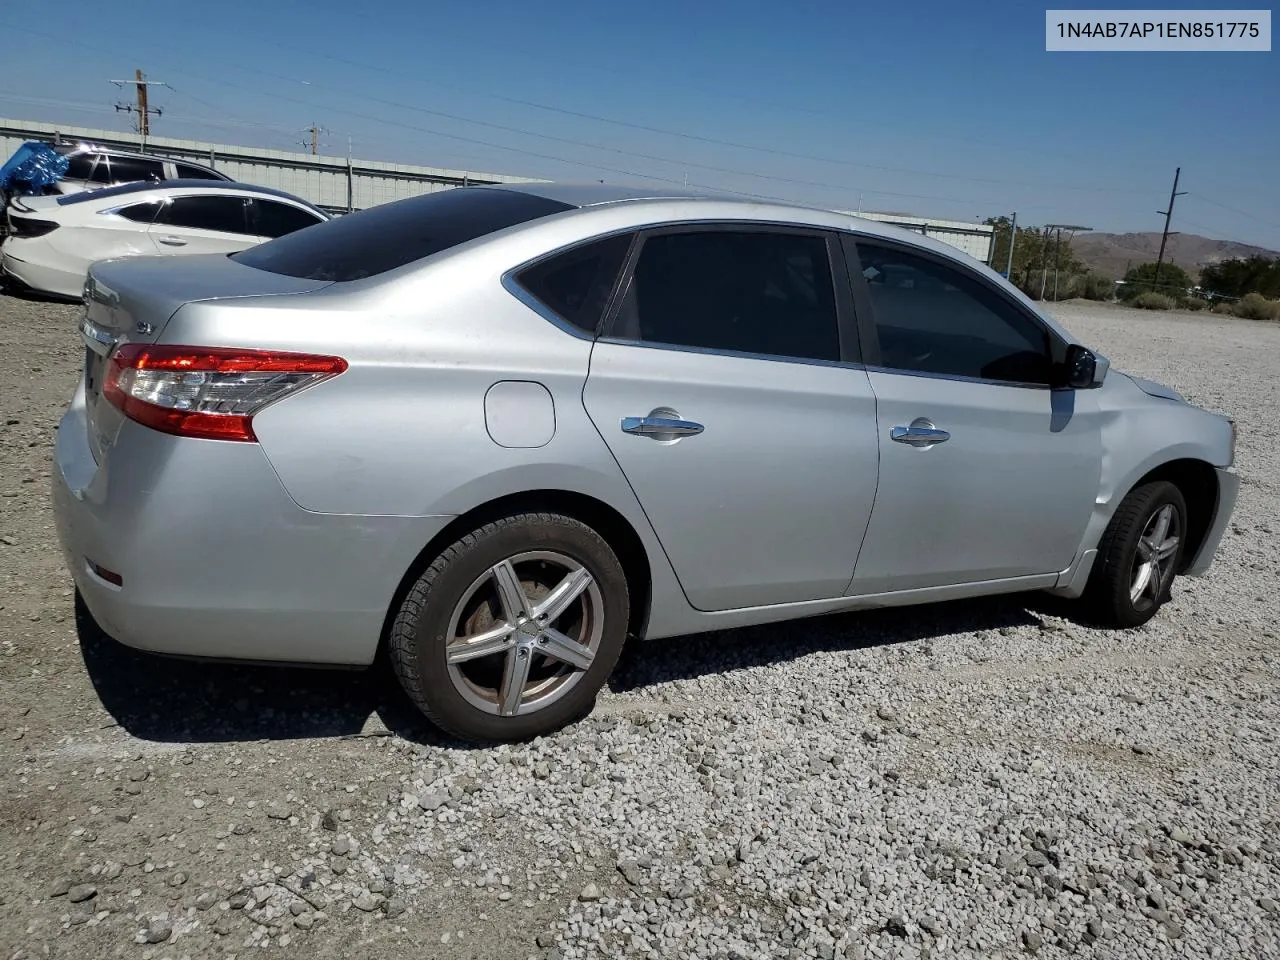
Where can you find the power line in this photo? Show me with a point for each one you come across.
(699, 138)
(1243, 213)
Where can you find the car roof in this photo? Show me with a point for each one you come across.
(594, 194)
(182, 186)
(66, 149)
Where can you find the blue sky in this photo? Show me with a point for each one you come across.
(937, 109)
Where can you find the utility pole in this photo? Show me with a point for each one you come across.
(1013, 237)
(1168, 215)
(315, 132)
(143, 111)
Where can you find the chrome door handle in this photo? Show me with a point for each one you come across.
(170, 241)
(921, 433)
(661, 428)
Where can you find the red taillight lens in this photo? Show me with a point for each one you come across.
(207, 392)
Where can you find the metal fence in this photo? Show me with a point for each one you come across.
(336, 184)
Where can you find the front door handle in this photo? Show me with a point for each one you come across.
(921, 433)
(171, 241)
(661, 427)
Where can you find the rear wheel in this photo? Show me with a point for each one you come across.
(1138, 556)
(513, 629)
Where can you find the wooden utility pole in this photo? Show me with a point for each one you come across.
(1168, 215)
(142, 109)
(315, 130)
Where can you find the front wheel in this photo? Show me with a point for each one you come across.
(1138, 556)
(513, 629)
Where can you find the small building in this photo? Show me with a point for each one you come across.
(975, 239)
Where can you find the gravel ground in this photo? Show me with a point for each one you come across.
(979, 779)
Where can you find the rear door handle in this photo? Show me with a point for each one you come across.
(921, 433)
(661, 428)
(171, 241)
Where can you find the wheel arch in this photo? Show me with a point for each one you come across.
(604, 519)
(1197, 481)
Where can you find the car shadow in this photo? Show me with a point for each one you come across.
(683, 658)
(169, 700)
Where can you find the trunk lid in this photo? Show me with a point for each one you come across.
(131, 300)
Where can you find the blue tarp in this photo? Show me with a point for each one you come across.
(32, 167)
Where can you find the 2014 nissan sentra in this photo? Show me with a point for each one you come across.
(505, 429)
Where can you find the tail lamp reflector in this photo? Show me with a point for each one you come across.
(207, 392)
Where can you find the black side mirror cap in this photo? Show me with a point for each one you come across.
(1084, 369)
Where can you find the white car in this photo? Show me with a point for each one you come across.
(93, 167)
(53, 240)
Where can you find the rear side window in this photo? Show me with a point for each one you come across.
(223, 214)
(140, 212)
(188, 172)
(128, 169)
(390, 235)
(575, 285)
(102, 172)
(79, 167)
(267, 218)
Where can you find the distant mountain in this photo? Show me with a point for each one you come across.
(1111, 253)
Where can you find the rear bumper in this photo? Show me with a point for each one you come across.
(1228, 493)
(215, 559)
(40, 277)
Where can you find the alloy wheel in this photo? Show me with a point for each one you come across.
(524, 633)
(1154, 559)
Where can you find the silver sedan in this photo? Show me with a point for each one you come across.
(503, 430)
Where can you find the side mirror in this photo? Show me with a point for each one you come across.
(1084, 369)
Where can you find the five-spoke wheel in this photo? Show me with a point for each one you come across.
(1138, 556)
(513, 629)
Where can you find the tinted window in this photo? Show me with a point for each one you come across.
(140, 212)
(390, 235)
(188, 172)
(127, 169)
(79, 167)
(271, 219)
(576, 284)
(755, 292)
(102, 172)
(934, 318)
(224, 214)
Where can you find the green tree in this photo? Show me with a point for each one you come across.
(1035, 250)
(1173, 281)
(1243, 275)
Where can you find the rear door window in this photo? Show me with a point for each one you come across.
(390, 235)
(269, 218)
(102, 171)
(219, 213)
(79, 167)
(128, 169)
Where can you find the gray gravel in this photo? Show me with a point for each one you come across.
(977, 779)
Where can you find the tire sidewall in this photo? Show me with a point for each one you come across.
(1157, 496)
(453, 577)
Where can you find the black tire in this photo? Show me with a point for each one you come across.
(418, 638)
(1107, 595)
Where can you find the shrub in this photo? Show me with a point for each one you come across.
(1152, 301)
(1099, 288)
(1222, 307)
(1254, 306)
(1192, 303)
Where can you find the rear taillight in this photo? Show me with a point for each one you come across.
(28, 227)
(207, 392)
